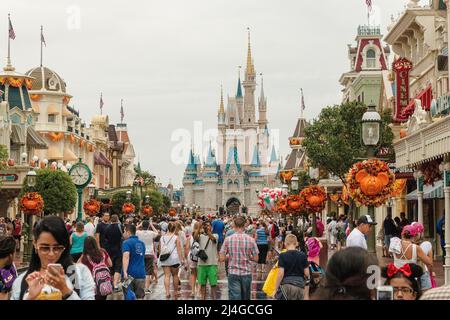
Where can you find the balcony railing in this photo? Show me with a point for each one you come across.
(369, 31)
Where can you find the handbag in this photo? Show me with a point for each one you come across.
(166, 255)
(202, 253)
(269, 284)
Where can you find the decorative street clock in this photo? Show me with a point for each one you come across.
(81, 176)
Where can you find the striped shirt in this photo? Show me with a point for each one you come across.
(261, 236)
(239, 247)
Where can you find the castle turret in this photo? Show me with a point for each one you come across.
(262, 107)
(249, 84)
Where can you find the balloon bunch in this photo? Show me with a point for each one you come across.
(269, 197)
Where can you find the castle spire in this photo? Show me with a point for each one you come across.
(239, 88)
(250, 67)
(221, 108)
(262, 98)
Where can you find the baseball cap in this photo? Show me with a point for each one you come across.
(366, 219)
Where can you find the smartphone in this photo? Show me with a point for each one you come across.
(385, 293)
(55, 268)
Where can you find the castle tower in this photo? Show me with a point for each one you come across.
(249, 85)
(210, 179)
(262, 108)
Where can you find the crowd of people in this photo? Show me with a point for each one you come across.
(93, 259)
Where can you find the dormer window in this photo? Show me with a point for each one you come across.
(371, 59)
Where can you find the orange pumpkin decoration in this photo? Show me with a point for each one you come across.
(32, 203)
(2, 80)
(399, 186)
(315, 201)
(91, 148)
(128, 208)
(82, 143)
(66, 100)
(72, 138)
(29, 84)
(314, 198)
(11, 162)
(372, 185)
(294, 202)
(334, 197)
(295, 141)
(287, 175)
(172, 212)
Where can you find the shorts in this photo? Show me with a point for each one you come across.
(387, 240)
(262, 257)
(207, 274)
(116, 264)
(149, 264)
(138, 287)
(425, 281)
(17, 237)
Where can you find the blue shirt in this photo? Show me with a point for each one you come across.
(136, 265)
(261, 236)
(217, 227)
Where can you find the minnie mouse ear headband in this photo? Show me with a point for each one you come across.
(409, 229)
(419, 227)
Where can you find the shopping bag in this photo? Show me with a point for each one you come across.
(269, 285)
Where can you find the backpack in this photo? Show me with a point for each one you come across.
(102, 278)
(316, 273)
(195, 249)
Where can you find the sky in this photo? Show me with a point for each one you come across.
(169, 58)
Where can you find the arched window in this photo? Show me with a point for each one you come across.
(371, 58)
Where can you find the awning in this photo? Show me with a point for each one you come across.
(101, 159)
(429, 191)
(52, 109)
(425, 97)
(54, 153)
(18, 134)
(35, 140)
(69, 155)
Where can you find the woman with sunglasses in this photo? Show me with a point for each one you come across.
(52, 274)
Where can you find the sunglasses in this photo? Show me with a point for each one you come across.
(55, 249)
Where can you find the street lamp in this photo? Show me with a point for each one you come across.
(31, 179)
(91, 189)
(370, 129)
(294, 183)
(147, 199)
(128, 195)
(370, 133)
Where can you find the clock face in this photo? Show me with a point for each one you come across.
(80, 175)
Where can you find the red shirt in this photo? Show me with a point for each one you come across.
(85, 261)
(17, 228)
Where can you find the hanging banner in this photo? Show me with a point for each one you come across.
(401, 67)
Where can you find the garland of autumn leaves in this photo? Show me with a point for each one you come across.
(372, 175)
(32, 203)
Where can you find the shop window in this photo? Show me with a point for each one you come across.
(51, 118)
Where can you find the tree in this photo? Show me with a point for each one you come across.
(156, 201)
(57, 190)
(333, 141)
(167, 204)
(120, 198)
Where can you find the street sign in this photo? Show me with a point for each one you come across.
(9, 177)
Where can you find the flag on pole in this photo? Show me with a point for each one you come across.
(369, 4)
(101, 103)
(122, 115)
(42, 37)
(12, 34)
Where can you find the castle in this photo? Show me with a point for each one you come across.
(243, 162)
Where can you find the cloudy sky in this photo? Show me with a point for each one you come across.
(168, 58)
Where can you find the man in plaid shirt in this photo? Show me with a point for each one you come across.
(241, 250)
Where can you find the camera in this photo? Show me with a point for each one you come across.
(385, 293)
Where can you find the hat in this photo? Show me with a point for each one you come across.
(366, 219)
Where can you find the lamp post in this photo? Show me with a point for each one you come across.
(91, 189)
(370, 133)
(31, 183)
(294, 183)
(445, 168)
(128, 195)
(418, 175)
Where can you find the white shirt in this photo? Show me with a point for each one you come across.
(90, 229)
(147, 237)
(356, 239)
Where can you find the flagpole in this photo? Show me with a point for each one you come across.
(42, 33)
(9, 41)
(302, 107)
(101, 100)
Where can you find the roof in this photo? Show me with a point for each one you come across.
(211, 158)
(233, 159)
(46, 79)
(256, 161)
(296, 160)
(191, 162)
(273, 156)
(112, 134)
(35, 140)
(101, 159)
(299, 131)
(239, 89)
